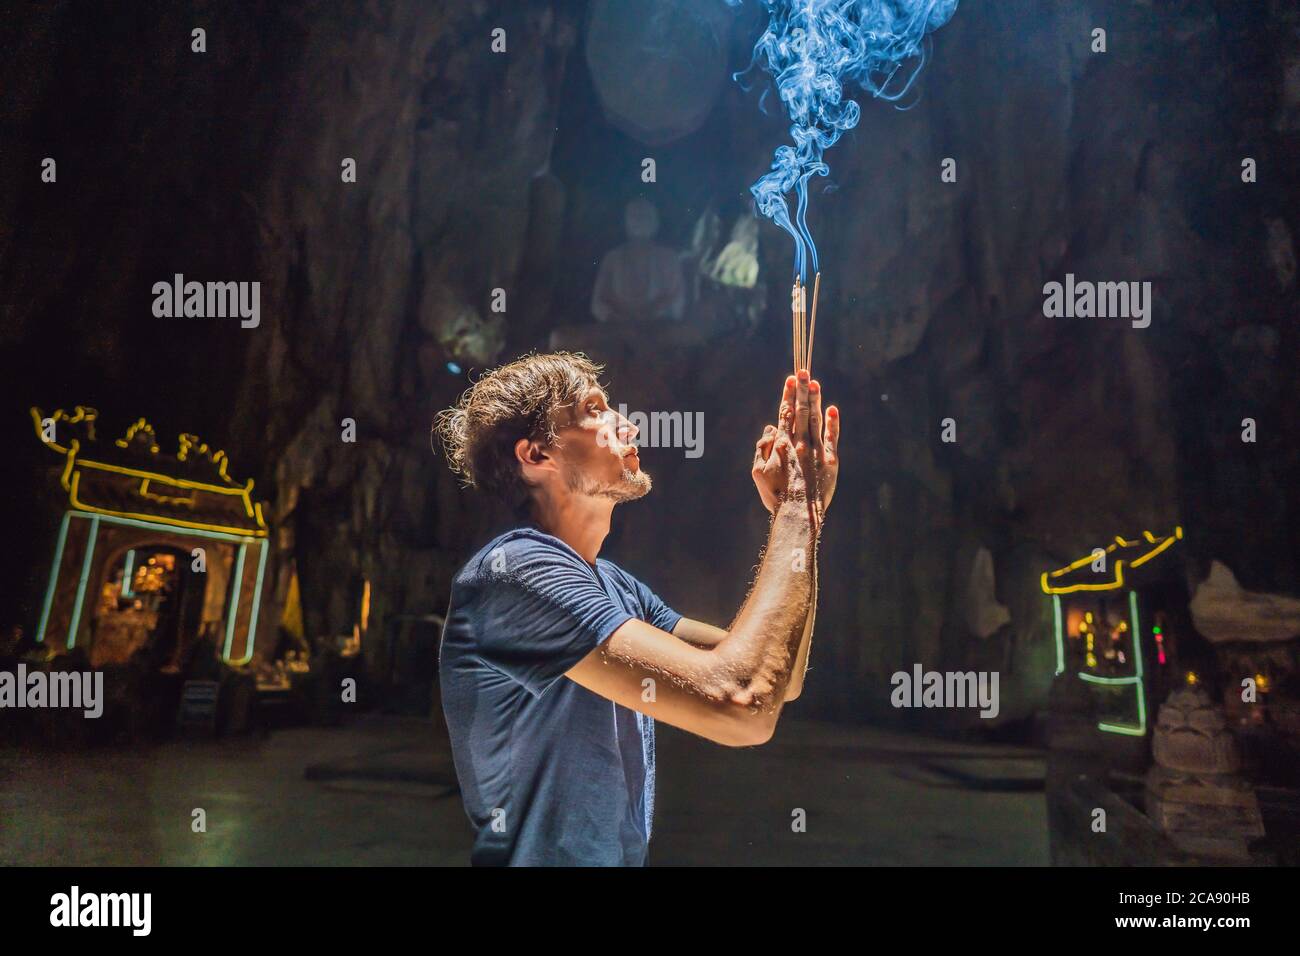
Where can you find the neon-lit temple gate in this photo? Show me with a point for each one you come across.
(1107, 632)
(151, 545)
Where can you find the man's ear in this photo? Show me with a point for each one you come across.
(528, 452)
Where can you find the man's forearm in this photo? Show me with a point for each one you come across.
(795, 687)
(760, 651)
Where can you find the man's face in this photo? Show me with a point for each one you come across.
(596, 453)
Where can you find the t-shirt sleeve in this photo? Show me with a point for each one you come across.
(656, 611)
(543, 611)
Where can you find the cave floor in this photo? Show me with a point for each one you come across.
(376, 792)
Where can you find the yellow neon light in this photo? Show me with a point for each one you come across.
(163, 499)
(166, 479)
(1163, 546)
(189, 444)
(1116, 582)
(157, 519)
(252, 509)
(70, 454)
(83, 413)
(218, 458)
(140, 426)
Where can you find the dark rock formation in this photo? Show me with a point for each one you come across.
(479, 171)
(1193, 792)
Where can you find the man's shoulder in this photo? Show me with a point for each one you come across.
(513, 550)
(653, 608)
(612, 570)
(489, 586)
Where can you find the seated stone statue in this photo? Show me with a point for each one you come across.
(641, 280)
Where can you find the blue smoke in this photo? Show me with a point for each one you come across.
(813, 49)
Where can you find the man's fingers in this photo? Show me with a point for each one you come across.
(782, 447)
(801, 410)
(785, 413)
(763, 447)
(815, 415)
(831, 440)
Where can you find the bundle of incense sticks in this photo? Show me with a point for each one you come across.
(804, 327)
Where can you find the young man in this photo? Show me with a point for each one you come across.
(555, 663)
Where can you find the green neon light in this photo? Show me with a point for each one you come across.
(165, 528)
(1137, 660)
(1136, 680)
(81, 585)
(1060, 638)
(1139, 731)
(233, 605)
(128, 571)
(95, 520)
(264, 547)
(54, 577)
(1113, 681)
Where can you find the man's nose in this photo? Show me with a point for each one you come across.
(627, 432)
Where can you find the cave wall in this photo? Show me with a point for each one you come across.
(380, 282)
(1115, 166)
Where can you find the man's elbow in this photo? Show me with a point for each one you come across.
(743, 712)
(745, 727)
(759, 730)
(794, 688)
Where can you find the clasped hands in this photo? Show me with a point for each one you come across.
(797, 459)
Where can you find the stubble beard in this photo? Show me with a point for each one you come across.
(629, 486)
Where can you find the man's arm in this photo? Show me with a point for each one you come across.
(826, 458)
(795, 688)
(731, 693)
(707, 636)
(698, 633)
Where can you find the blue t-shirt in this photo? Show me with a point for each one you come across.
(551, 774)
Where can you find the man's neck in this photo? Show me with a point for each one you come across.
(580, 521)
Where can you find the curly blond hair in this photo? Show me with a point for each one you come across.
(520, 400)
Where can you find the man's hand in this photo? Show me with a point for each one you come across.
(771, 473)
(812, 438)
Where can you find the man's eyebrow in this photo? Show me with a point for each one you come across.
(595, 392)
